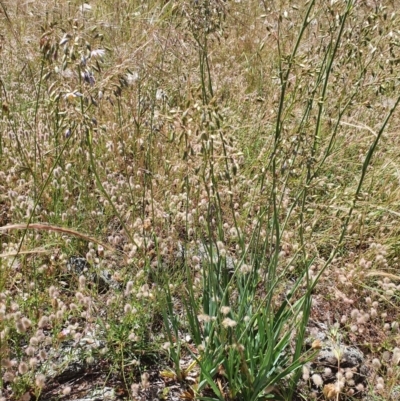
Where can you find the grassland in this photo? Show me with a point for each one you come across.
(233, 166)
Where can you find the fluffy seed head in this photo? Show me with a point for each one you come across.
(42, 355)
(26, 397)
(22, 368)
(227, 322)
(245, 269)
(40, 380)
(135, 389)
(349, 375)
(20, 326)
(34, 341)
(66, 390)
(145, 380)
(225, 310)
(396, 356)
(33, 362)
(376, 363)
(43, 322)
(8, 377)
(330, 391)
(82, 281)
(306, 373)
(317, 379)
(204, 318)
(129, 288)
(26, 323)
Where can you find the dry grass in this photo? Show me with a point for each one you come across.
(112, 126)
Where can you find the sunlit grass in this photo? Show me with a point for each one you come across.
(224, 161)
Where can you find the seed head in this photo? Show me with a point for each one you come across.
(26, 397)
(225, 310)
(396, 356)
(376, 363)
(20, 326)
(90, 360)
(26, 323)
(53, 293)
(34, 341)
(135, 389)
(33, 362)
(306, 373)
(227, 322)
(245, 269)
(43, 322)
(145, 380)
(22, 368)
(129, 288)
(42, 355)
(133, 337)
(330, 391)
(204, 318)
(82, 282)
(40, 380)
(8, 377)
(317, 379)
(66, 390)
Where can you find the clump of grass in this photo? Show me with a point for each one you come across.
(229, 159)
